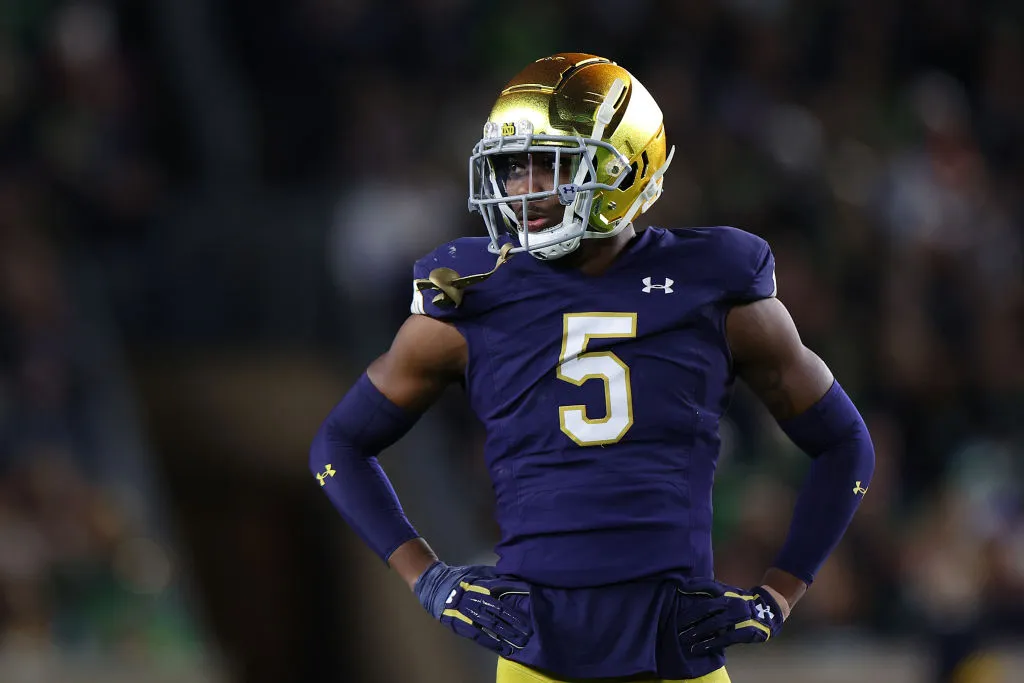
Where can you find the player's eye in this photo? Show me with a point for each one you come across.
(506, 167)
(545, 161)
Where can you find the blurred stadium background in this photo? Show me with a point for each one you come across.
(208, 214)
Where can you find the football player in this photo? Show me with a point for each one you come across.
(600, 360)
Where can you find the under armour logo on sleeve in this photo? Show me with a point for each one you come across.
(322, 476)
(667, 287)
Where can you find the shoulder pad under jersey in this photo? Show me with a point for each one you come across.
(739, 263)
(447, 282)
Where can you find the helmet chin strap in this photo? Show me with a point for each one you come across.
(551, 248)
(620, 225)
(556, 250)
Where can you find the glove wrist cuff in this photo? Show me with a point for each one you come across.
(434, 578)
(780, 601)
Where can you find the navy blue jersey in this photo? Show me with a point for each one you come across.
(601, 398)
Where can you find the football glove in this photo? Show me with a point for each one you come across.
(723, 615)
(468, 600)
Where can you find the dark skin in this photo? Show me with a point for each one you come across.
(427, 355)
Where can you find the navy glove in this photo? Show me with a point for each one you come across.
(468, 600)
(723, 615)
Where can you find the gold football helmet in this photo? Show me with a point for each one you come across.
(602, 134)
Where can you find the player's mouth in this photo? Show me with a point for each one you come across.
(542, 223)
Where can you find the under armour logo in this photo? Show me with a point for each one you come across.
(764, 613)
(857, 489)
(567, 193)
(451, 596)
(667, 287)
(322, 477)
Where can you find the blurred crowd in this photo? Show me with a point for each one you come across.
(877, 145)
(85, 568)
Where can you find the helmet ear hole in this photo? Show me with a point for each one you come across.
(647, 164)
(628, 181)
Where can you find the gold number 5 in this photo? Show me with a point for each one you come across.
(576, 366)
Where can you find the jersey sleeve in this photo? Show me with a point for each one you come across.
(465, 256)
(762, 283)
(752, 271)
(423, 299)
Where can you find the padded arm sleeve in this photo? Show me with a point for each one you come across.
(343, 458)
(834, 434)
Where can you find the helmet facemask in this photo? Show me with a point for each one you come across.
(573, 181)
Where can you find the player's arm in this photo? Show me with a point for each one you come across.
(813, 410)
(425, 356)
(384, 403)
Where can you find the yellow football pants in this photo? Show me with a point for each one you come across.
(513, 672)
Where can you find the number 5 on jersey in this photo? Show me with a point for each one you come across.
(576, 366)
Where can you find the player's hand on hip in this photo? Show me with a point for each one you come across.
(469, 601)
(719, 615)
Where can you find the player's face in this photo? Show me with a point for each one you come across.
(535, 172)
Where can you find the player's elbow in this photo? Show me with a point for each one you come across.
(862, 437)
(362, 425)
(850, 455)
(834, 429)
(330, 444)
(858, 447)
(336, 441)
(866, 451)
